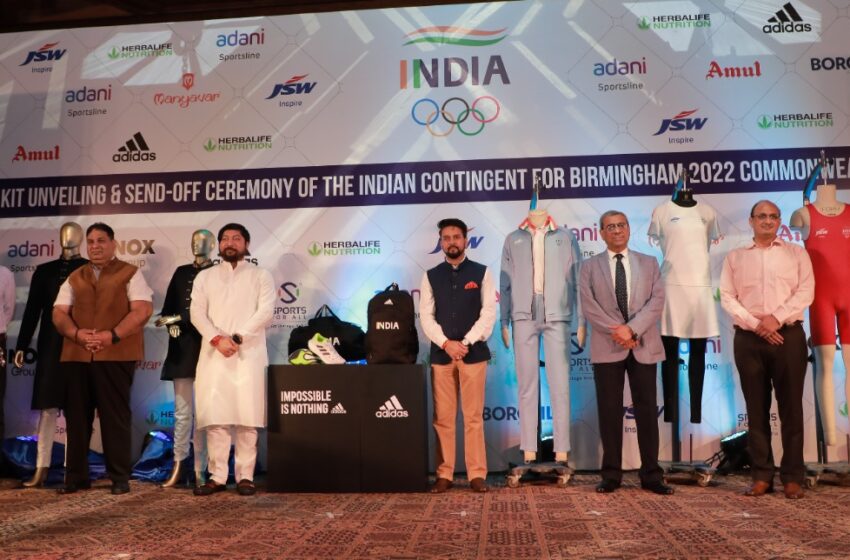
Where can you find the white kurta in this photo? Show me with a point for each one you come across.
(685, 235)
(232, 391)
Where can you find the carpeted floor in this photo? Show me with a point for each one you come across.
(534, 521)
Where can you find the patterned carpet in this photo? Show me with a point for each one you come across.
(534, 521)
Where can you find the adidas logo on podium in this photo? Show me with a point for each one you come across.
(135, 149)
(391, 409)
(339, 409)
(787, 20)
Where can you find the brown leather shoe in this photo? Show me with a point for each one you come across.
(793, 490)
(441, 486)
(759, 488)
(478, 485)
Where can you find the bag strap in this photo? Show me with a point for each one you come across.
(325, 311)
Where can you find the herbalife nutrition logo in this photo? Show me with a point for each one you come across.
(787, 20)
(675, 21)
(391, 409)
(236, 143)
(140, 51)
(795, 120)
(344, 248)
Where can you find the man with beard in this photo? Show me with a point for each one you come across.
(232, 304)
(765, 287)
(457, 308)
(101, 310)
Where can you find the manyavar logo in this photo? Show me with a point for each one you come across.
(134, 149)
(344, 248)
(23, 154)
(88, 95)
(47, 53)
(715, 70)
(681, 122)
(296, 85)
(141, 51)
(830, 63)
(795, 120)
(236, 143)
(185, 100)
(787, 20)
(675, 21)
(620, 68)
(237, 38)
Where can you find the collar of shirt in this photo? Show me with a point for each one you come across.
(548, 225)
(775, 243)
(458, 265)
(612, 254)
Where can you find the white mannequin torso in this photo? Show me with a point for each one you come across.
(826, 203)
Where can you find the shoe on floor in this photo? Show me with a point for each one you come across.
(246, 487)
(793, 490)
(759, 488)
(303, 357)
(441, 486)
(210, 487)
(478, 485)
(324, 349)
(658, 487)
(72, 487)
(119, 488)
(607, 486)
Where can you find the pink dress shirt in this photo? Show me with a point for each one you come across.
(760, 281)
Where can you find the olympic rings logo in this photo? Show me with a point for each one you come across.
(481, 105)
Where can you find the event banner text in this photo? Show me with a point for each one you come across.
(418, 183)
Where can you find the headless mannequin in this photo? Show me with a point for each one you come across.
(70, 239)
(538, 218)
(203, 243)
(682, 197)
(828, 206)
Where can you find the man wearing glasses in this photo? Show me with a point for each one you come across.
(623, 297)
(765, 287)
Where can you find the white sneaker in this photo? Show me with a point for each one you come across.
(324, 349)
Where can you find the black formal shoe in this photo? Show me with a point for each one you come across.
(759, 488)
(72, 487)
(793, 490)
(657, 487)
(478, 485)
(246, 487)
(119, 488)
(210, 487)
(607, 486)
(442, 485)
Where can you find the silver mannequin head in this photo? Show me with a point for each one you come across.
(70, 239)
(203, 243)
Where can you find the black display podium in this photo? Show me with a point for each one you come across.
(347, 428)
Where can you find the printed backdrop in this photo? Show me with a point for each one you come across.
(340, 139)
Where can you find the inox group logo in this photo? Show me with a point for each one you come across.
(134, 247)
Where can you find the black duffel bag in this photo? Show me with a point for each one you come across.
(348, 339)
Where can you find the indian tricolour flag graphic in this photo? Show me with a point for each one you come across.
(451, 35)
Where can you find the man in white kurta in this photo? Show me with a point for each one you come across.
(232, 304)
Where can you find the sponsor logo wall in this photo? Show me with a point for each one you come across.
(340, 139)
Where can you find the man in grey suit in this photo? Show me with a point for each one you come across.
(622, 297)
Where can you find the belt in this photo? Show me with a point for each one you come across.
(783, 327)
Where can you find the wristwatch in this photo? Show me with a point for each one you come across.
(237, 338)
(466, 342)
(115, 338)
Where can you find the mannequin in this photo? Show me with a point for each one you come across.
(685, 229)
(538, 302)
(829, 249)
(184, 346)
(48, 392)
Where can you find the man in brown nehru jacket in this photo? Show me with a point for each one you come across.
(100, 311)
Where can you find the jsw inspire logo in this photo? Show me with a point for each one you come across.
(293, 86)
(682, 121)
(44, 54)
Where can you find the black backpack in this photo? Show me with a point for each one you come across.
(391, 336)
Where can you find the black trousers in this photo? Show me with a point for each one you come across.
(104, 386)
(610, 380)
(760, 365)
(3, 392)
(670, 377)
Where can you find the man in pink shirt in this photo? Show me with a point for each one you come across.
(765, 287)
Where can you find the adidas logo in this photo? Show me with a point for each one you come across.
(786, 20)
(389, 302)
(391, 409)
(339, 409)
(135, 149)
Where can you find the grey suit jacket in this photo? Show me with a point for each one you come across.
(646, 302)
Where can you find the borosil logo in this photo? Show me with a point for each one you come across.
(786, 20)
(135, 149)
(391, 409)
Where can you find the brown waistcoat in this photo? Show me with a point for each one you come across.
(101, 303)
